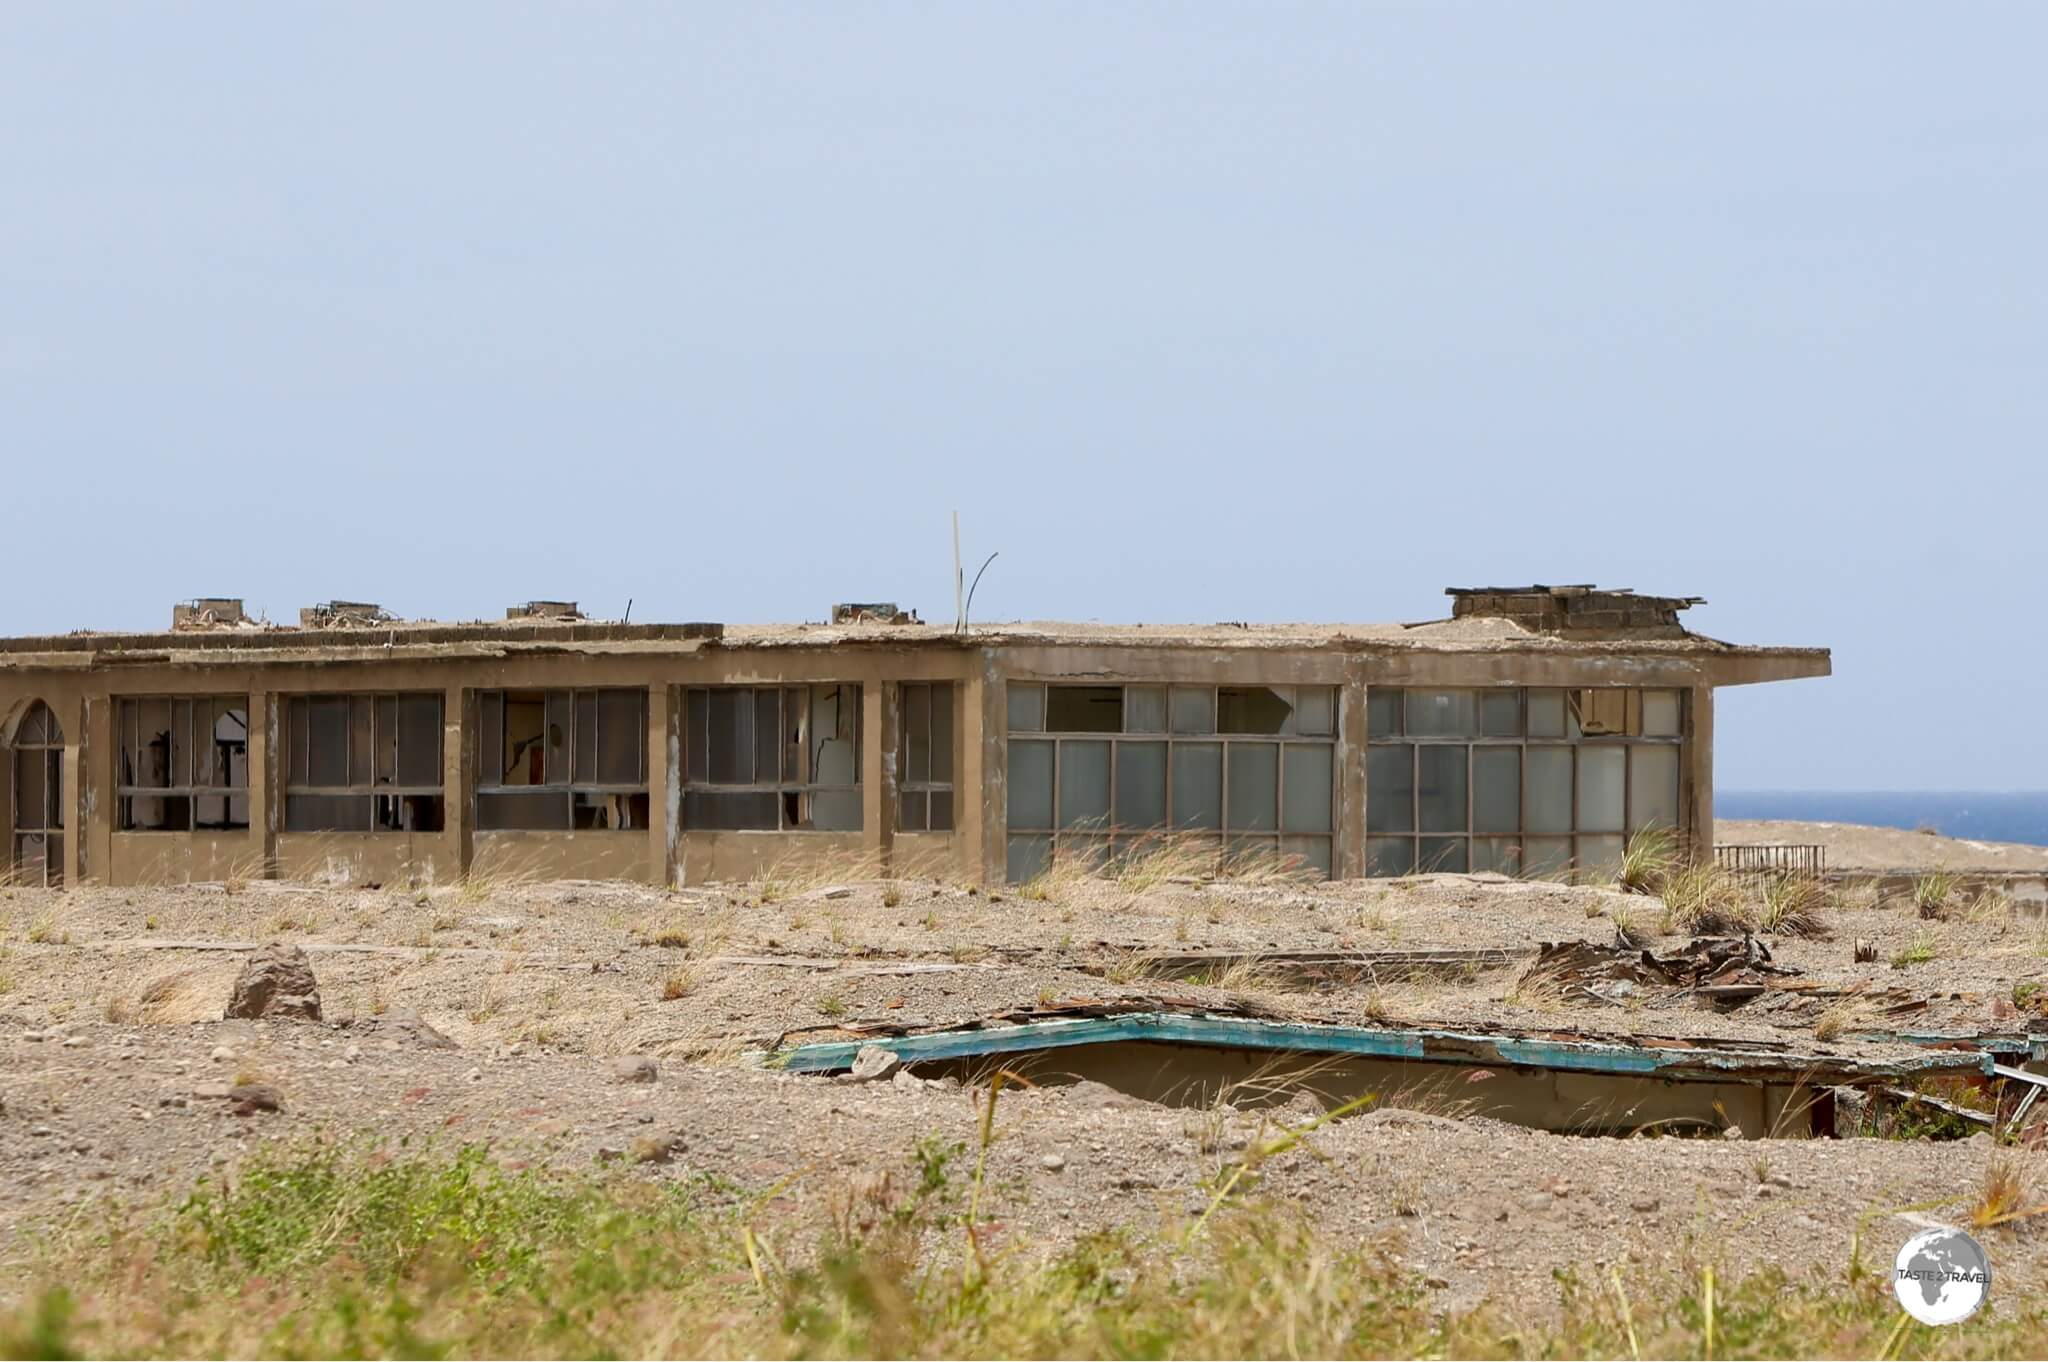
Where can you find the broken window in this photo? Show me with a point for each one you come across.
(785, 758)
(924, 757)
(1103, 772)
(184, 763)
(37, 841)
(561, 760)
(364, 763)
(1533, 781)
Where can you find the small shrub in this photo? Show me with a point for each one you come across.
(1931, 893)
(2005, 1194)
(1794, 905)
(1648, 861)
(1705, 900)
(1918, 952)
(678, 983)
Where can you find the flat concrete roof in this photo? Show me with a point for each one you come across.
(255, 643)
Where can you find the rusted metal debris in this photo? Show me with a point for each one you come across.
(1722, 970)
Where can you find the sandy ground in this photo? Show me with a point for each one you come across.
(112, 1054)
(1853, 846)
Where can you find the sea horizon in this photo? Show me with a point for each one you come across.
(1979, 815)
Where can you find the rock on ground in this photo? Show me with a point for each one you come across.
(277, 982)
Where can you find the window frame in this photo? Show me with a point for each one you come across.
(1523, 742)
(298, 707)
(781, 787)
(570, 787)
(923, 790)
(43, 749)
(1181, 728)
(126, 790)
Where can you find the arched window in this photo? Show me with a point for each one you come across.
(38, 760)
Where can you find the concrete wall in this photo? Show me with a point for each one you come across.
(84, 694)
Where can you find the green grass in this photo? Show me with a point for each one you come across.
(356, 1250)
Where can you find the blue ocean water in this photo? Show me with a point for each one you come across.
(1983, 816)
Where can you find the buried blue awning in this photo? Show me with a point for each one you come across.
(1706, 1062)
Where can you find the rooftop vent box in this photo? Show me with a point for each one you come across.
(343, 615)
(544, 610)
(207, 612)
(1574, 611)
(872, 612)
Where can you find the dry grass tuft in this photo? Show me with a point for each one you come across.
(2003, 1196)
(1648, 862)
(1932, 892)
(1793, 905)
(1841, 1017)
(177, 999)
(1705, 900)
(679, 982)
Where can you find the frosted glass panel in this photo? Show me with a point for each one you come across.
(1253, 778)
(1027, 708)
(1441, 855)
(1547, 790)
(1314, 710)
(1197, 785)
(1497, 789)
(1500, 854)
(1602, 771)
(1390, 789)
(1382, 713)
(1546, 857)
(1389, 855)
(1312, 852)
(1546, 714)
(1141, 784)
(1144, 709)
(1599, 856)
(1028, 856)
(1441, 714)
(1653, 787)
(1194, 709)
(1440, 789)
(1660, 713)
(1307, 805)
(1500, 713)
(1030, 784)
(1084, 784)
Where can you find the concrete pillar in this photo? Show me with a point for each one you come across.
(71, 791)
(880, 707)
(1697, 795)
(267, 776)
(1347, 855)
(458, 773)
(98, 743)
(992, 787)
(668, 809)
(659, 870)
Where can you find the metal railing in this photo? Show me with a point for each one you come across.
(1781, 858)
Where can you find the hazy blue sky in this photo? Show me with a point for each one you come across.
(1194, 311)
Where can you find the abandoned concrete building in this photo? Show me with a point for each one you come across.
(1531, 733)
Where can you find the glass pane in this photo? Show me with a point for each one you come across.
(766, 755)
(1141, 784)
(1499, 854)
(1440, 789)
(1497, 789)
(1390, 855)
(835, 811)
(834, 735)
(490, 737)
(508, 811)
(622, 737)
(384, 718)
(731, 736)
(1596, 713)
(1144, 709)
(1599, 856)
(1660, 713)
(327, 740)
(1547, 790)
(796, 718)
(1390, 788)
(1652, 786)
(1197, 784)
(327, 813)
(1084, 709)
(913, 809)
(1312, 852)
(1546, 714)
(696, 730)
(1254, 709)
(361, 771)
(1500, 713)
(419, 740)
(1602, 771)
(1252, 780)
(1306, 807)
(1084, 784)
(730, 811)
(942, 738)
(1028, 857)
(1027, 708)
(1314, 711)
(29, 811)
(1546, 857)
(1442, 855)
(561, 723)
(1030, 784)
(181, 742)
(1194, 709)
(1441, 714)
(1383, 713)
(583, 743)
(914, 748)
(942, 810)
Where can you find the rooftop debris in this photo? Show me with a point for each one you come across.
(1722, 970)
